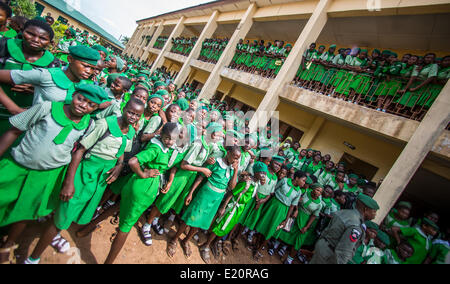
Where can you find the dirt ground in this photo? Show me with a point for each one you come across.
(94, 249)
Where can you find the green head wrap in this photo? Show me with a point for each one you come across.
(183, 103)
(92, 92)
(213, 128)
(277, 158)
(99, 47)
(158, 97)
(260, 167)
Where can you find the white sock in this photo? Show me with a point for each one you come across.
(245, 231)
(172, 217)
(155, 221)
(251, 233)
(146, 227)
(110, 202)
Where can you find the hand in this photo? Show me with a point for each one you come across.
(102, 80)
(25, 88)
(413, 89)
(67, 192)
(114, 173)
(235, 165)
(16, 110)
(295, 214)
(151, 173)
(188, 200)
(401, 92)
(166, 188)
(211, 161)
(303, 230)
(221, 212)
(206, 172)
(281, 225)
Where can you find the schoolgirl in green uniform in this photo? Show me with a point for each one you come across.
(201, 212)
(233, 207)
(177, 189)
(36, 168)
(254, 209)
(86, 179)
(279, 209)
(141, 190)
(5, 16)
(306, 217)
(55, 84)
(325, 174)
(26, 54)
(400, 254)
(65, 43)
(322, 74)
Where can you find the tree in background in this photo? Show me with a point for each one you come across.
(125, 40)
(25, 8)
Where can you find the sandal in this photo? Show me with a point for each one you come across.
(60, 244)
(186, 249)
(226, 247)
(10, 252)
(204, 253)
(282, 251)
(113, 236)
(171, 248)
(115, 220)
(158, 229)
(147, 236)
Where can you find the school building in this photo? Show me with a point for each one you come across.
(63, 12)
(412, 157)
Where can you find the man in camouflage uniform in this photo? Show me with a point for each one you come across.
(345, 233)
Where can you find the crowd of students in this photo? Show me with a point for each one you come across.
(182, 45)
(99, 136)
(160, 42)
(212, 49)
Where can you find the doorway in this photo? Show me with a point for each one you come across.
(359, 167)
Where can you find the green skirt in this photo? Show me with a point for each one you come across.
(27, 194)
(319, 73)
(250, 216)
(424, 96)
(388, 88)
(117, 186)
(166, 201)
(224, 225)
(337, 77)
(273, 215)
(200, 213)
(137, 196)
(361, 84)
(90, 184)
(178, 205)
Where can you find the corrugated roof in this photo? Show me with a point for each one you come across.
(72, 12)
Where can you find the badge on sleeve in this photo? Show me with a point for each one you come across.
(354, 236)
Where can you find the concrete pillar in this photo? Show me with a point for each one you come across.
(210, 87)
(130, 42)
(148, 31)
(309, 34)
(175, 33)
(412, 156)
(153, 40)
(312, 132)
(207, 32)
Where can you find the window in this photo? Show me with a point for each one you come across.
(39, 9)
(62, 20)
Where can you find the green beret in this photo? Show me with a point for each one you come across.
(322, 46)
(309, 180)
(159, 84)
(260, 167)
(353, 176)
(277, 158)
(383, 237)
(377, 51)
(371, 225)
(92, 92)
(289, 166)
(158, 97)
(368, 201)
(394, 54)
(153, 78)
(315, 185)
(162, 93)
(386, 52)
(333, 46)
(288, 45)
(120, 63)
(183, 103)
(363, 50)
(404, 204)
(213, 128)
(145, 84)
(111, 78)
(99, 47)
(428, 222)
(141, 75)
(85, 54)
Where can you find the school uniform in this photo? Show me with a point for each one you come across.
(35, 171)
(419, 241)
(200, 213)
(276, 210)
(90, 177)
(138, 194)
(440, 252)
(242, 194)
(10, 33)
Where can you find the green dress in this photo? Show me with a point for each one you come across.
(174, 199)
(440, 252)
(90, 177)
(250, 216)
(138, 193)
(10, 33)
(419, 241)
(203, 207)
(286, 195)
(307, 207)
(242, 194)
(33, 175)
